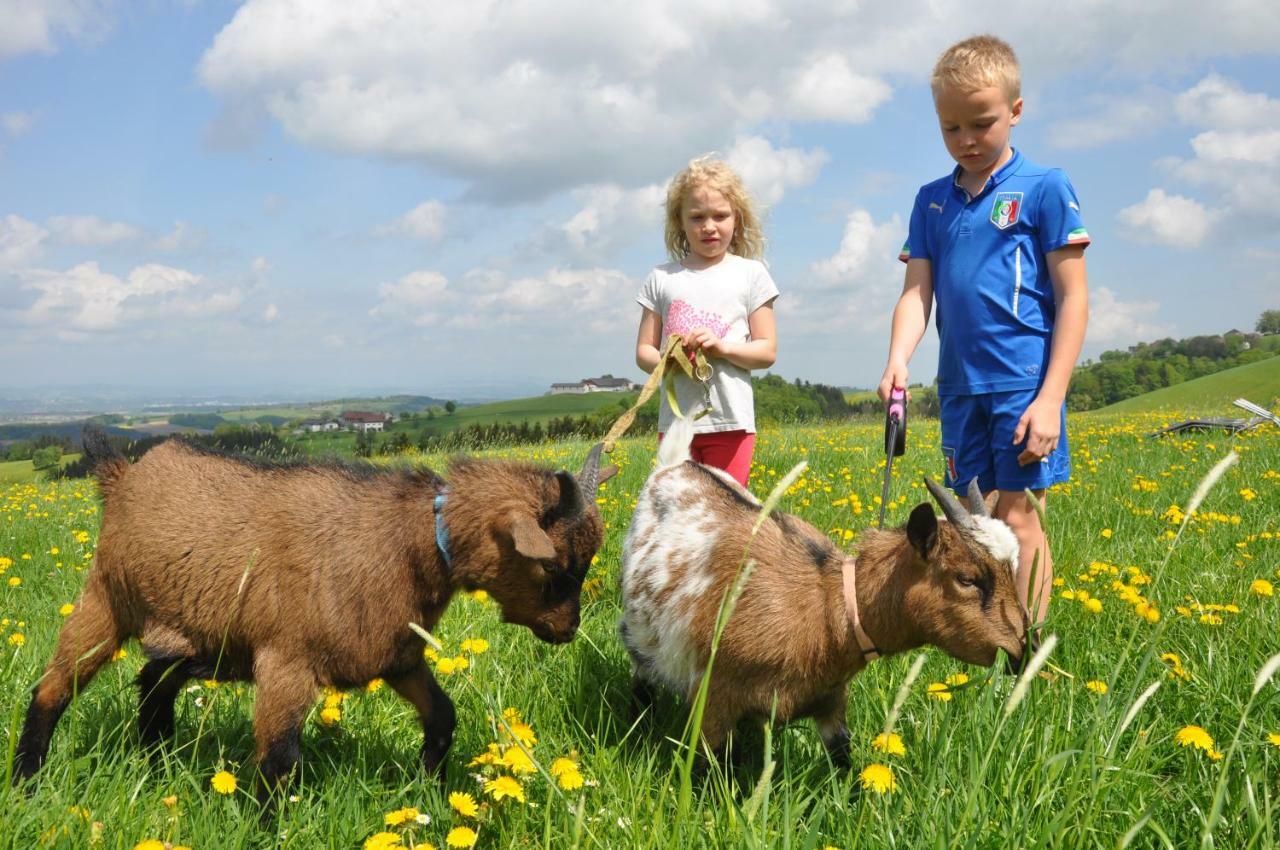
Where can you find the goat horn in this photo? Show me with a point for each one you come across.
(977, 504)
(951, 508)
(589, 477)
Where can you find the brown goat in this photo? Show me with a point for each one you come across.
(302, 576)
(791, 645)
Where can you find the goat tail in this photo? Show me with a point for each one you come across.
(674, 448)
(108, 465)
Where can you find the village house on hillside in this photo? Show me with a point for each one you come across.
(359, 420)
(315, 425)
(604, 384)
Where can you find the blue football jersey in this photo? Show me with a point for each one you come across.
(994, 299)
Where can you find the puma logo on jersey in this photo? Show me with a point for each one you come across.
(934, 205)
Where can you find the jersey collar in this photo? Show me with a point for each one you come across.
(997, 177)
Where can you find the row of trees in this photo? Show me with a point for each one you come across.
(1118, 375)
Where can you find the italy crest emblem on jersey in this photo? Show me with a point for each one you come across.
(1005, 209)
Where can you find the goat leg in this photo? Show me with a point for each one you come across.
(88, 639)
(829, 713)
(435, 711)
(159, 682)
(286, 689)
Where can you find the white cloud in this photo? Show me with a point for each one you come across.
(1168, 219)
(859, 283)
(612, 217)
(1117, 322)
(183, 237)
(270, 313)
(20, 241)
(514, 101)
(827, 89)
(1107, 118)
(32, 27)
(770, 172)
(260, 265)
(426, 221)
(85, 298)
(17, 123)
(90, 230)
(1217, 101)
(602, 302)
(417, 297)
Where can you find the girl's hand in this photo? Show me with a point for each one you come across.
(707, 341)
(1040, 426)
(895, 375)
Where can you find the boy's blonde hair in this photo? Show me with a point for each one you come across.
(977, 63)
(748, 239)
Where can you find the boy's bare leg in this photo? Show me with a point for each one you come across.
(1014, 508)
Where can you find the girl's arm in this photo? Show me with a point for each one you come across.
(648, 338)
(910, 318)
(1040, 423)
(759, 352)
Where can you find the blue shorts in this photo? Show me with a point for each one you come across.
(977, 439)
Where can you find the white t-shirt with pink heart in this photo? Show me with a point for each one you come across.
(719, 298)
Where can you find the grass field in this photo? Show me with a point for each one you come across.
(21, 471)
(1211, 395)
(1158, 643)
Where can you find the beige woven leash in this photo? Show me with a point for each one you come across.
(697, 369)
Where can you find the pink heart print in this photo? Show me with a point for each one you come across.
(683, 317)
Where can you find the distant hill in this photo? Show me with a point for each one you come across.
(1212, 395)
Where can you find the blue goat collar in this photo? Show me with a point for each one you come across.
(442, 531)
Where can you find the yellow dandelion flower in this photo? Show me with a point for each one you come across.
(382, 841)
(480, 596)
(523, 733)
(1214, 755)
(1194, 736)
(66, 609)
(461, 836)
(430, 654)
(955, 680)
(223, 782)
(170, 801)
(400, 816)
(1261, 587)
(464, 804)
(149, 844)
(570, 780)
(878, 778)
(476, 646)
(374, 686)
(446, 666)
(54, 550)
(939, 691)
(17, 639)
(425, 845)
(119, 654)
(889, 743)
(1105, 533)
(490, 757)
(517, 760)
(504, 786)
(330, 715)
(14, 581)
(1152, 614)
(1093, 606)
(1068, 594)
(1274, 739)
(1096, 686)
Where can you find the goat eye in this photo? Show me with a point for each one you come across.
(966, 581)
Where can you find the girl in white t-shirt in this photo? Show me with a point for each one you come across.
(719, 296)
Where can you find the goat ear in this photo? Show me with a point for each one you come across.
(922, 529)
(529, 539)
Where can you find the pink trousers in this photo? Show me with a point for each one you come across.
(727, 450)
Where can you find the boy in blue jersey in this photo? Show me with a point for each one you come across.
(999, 244)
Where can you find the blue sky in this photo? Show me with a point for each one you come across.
(462, 199)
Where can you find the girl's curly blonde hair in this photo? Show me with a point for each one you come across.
(748, 238)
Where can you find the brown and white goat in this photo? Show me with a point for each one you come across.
(302, 576)
(791, 645)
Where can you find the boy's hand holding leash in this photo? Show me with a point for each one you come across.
(895, 376)
(1040, 426)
